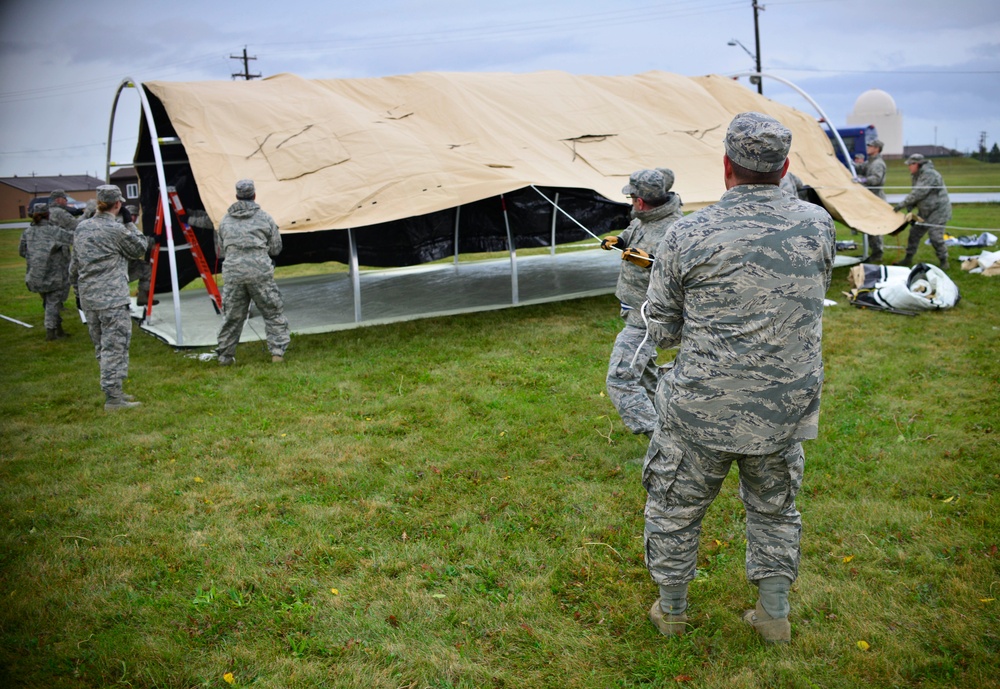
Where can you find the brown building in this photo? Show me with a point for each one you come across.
(930, 151)
(17, 192)
(127, 180)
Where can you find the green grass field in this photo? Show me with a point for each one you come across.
(453, 502)
(960, 175)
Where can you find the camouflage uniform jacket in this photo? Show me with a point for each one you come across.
(646, 232)
(102, 248)
(62, 217)
(45, 247)
(740, 289)
(247, 237)
(929, 193)
(873, 171)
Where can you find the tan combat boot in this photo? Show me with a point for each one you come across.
(668, 624)
(774, 630)
(114, 402)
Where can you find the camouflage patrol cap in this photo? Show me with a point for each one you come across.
(40, 208)
(56, 194)
(646, 185)
(668, 177)
(245, 189)
(109, 193)
(877, 143)
(917, 158)
(132, 209)
(758, 142)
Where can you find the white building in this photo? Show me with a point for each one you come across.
(877, 107)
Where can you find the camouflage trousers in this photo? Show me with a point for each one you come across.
(682, 479)
(933, 227)
(874, 245)
(111, 332)
(142, 271)
(236, 300)
(52, 302)
(632, 389)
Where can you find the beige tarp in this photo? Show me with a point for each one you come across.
(342, 153)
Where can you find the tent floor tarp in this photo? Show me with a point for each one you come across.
(324, 303)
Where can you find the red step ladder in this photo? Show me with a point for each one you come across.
(192, 243)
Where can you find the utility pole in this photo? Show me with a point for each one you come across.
(246, 65)
(756, 34)
(982, 146)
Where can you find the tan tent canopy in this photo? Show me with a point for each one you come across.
(408, 170)
(350, 153)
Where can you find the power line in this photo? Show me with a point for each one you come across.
(246, 66)
(67, 148)
(885, 71)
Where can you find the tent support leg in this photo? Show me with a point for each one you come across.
(355, 275)
(552, 249)
(458, 215)
(513, 253)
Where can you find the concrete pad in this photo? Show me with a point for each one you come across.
(324, 303)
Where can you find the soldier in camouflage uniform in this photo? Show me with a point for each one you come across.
(871, 173)
(140, 269)
(58, 215)
(930, 198)
(654, 209)
(102, 248)
(791, 184)
(739, 289)
(246, 239)
(46, 248)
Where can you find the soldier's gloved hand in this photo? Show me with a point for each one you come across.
(609, 243)
(126, 215)
(898, 207)
(638, 257)
(861, 180)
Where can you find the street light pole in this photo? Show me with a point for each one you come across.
(760, 88)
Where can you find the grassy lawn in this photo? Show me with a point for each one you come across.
(453, 502)
(960, 175)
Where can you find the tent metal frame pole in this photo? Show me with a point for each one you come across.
(155, 140)
(819, 110)
(555, 212)
(513, 253)
(458, 215)
(355, 275)
(826, 120)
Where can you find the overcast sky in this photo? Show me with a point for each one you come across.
(62, 61)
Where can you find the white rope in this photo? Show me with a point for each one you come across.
(556, 206)
(956, 227)
(986, 189)
(651, 258)
(645, 322)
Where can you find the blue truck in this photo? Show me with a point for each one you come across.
(855, 138)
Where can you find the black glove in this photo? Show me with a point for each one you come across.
(126, 216)
(898, 207)
(608, 242)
